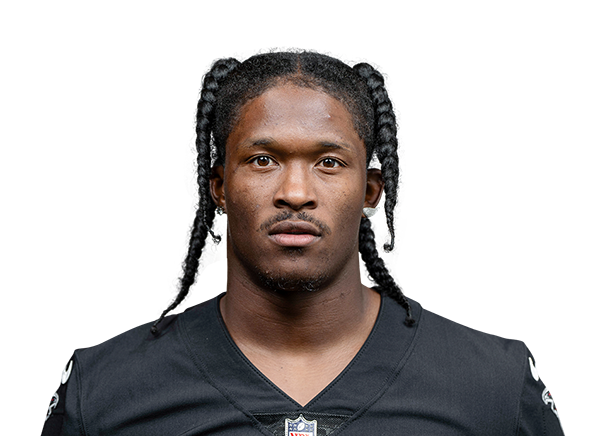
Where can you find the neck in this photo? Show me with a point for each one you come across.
(340, 313)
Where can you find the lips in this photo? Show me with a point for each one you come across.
(294, 234)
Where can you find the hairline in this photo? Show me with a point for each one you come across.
(300, 80)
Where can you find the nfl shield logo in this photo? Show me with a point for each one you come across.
(300, 427)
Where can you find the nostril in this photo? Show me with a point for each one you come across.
(295, 192)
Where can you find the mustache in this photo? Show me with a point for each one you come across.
(300, 216)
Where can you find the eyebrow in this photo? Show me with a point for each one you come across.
(271, 141)
(326, 144)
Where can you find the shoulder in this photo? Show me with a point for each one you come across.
(471, 380)
(476, 374)
(138, 347)
(464, 343)
(438, 340)
(128, 348)
(135, 368)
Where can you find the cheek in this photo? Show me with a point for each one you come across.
(244, 204)
(347, 195)
(345, 211)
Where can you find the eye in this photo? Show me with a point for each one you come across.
(330, 162)
(262, 161)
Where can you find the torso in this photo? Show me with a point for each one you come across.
(302, 376)
(436, 377)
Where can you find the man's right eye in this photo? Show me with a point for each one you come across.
(262, 161)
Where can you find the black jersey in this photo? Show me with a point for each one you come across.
(434, 378)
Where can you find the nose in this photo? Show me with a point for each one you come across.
(296, 189)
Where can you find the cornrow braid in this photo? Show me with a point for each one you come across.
(400, 136)
(386, 142)
(386, 150)
(378, 271)
(205, 214)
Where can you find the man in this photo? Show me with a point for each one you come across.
(297, 345)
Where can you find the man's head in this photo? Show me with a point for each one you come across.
(294, 184)
(230, 88)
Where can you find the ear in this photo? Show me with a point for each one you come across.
(216, 186)
(374, 187)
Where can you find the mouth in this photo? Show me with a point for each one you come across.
(294, 234)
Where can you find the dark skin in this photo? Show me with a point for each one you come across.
(293, 186)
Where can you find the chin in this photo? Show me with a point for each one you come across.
(291, 283)
(286, 270)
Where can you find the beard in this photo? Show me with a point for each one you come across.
(281, 283)
(287, 284)
(287, 281)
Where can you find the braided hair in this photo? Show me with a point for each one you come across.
(386, 148)
(230, 84)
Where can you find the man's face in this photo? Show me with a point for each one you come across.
(293, 186)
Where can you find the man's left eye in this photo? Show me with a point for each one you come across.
(330, 162)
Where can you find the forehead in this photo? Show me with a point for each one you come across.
(290, 112)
